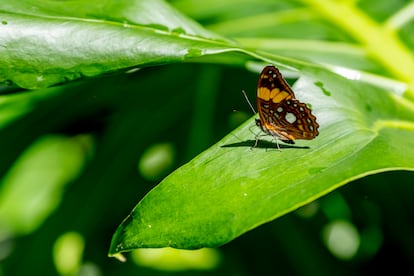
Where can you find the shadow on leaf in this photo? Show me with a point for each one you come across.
(262, 144)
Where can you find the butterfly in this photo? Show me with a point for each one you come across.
(281, 115)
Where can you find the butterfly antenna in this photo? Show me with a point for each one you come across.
(247, 99)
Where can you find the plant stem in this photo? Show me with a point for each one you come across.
(382, 43)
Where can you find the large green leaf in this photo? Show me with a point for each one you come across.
(232, 188)
(44, 42)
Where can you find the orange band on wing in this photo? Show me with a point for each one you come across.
(277, 96)
(263, 93)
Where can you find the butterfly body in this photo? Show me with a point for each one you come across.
(280, 113)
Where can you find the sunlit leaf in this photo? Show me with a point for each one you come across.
(44, 42)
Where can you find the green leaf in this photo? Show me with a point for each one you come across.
(232, 188)
(44, 42)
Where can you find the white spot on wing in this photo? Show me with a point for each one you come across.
(290, 117)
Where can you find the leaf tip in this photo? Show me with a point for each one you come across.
(118, 256)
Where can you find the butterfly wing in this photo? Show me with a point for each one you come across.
(281, 114)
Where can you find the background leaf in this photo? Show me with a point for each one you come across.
(67, 42)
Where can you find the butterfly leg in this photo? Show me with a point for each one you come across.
(276, 139)
(256, 137)
(277, 144)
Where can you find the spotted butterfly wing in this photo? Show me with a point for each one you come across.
(280, 113)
